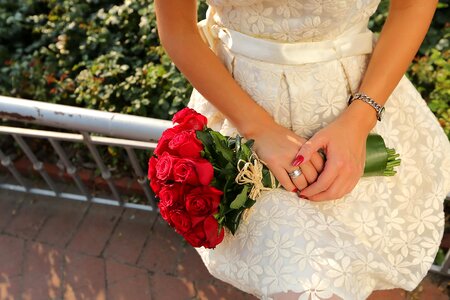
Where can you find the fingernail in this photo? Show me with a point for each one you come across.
(303, 196)
(298, 160)
(295, 190)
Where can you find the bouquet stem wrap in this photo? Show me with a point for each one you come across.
(251, 172)
(380, 160)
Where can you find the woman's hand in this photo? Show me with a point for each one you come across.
(344, 144)
(344, 139)
(277, 147)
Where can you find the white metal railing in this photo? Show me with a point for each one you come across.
(125, 131)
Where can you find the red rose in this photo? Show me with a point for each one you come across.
(163, 142)
(171, 196)
(164, 166)
(193, 171)
(151, 167)
(213, 236)
(188, 118)
(155, 183)
(165, 214)
(205, 234)
(181, 221)
(186, 144)
(170, 199)
(196, 236)
(203, 201)
(156, 186)
(182, 114)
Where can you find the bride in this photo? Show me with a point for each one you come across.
(281, 72)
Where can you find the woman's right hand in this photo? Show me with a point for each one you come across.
(277, 146)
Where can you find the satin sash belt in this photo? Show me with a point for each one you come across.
(348, 44)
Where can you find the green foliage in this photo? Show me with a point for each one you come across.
(437, 35)
(225, 153)
(97, 54)
(432, 75)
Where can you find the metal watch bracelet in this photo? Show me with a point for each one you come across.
(361, 96)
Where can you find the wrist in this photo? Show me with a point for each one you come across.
(254, 124)
(379, 109)
(360, 116)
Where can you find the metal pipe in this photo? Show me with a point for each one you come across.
(7, 163)
(82, 119)
(70, 196)
(74, 137)
(106, 174)
(134, 162)
(148, 192)
(37, 165)
(142, 178)
(70, 169)
(129, 146)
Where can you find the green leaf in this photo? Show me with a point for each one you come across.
(267, 179)
(245, 153)
(440, 257)
(220, 143)
(250, 143)
(240, 199)
(233, 219)
(205, 137)
(380, 160)
(237, 148)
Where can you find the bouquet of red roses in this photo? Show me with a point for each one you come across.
(205, 180)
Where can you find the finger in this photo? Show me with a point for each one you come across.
(309, 172)
(308, 149)
(323, 182)
(300, 181)
(283, 178)
(318, 162)
(338, 189)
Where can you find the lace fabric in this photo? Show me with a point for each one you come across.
(293, 20)
(382, 235)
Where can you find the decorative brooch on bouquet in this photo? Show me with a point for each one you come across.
(205, 181)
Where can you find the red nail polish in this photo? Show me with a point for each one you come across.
(303, 196)
(295, 190)
(298, 160)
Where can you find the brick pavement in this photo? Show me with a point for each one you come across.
(59, 249)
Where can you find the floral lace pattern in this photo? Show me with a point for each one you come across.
(293, 20)
(384, 234)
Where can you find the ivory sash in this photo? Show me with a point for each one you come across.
(357, 41)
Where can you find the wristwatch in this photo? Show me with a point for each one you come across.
(360, 96)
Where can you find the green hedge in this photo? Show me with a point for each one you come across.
(97, 54)
(105, 54)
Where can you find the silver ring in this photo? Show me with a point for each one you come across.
(296, 173)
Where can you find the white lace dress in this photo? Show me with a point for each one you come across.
(386, 232)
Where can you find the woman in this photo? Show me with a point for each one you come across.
(280, 73)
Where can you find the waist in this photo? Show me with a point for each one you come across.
(357, 41)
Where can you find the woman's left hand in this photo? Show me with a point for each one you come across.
(344, 144)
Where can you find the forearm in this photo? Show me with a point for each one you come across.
(203, 68)
(400, 38)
